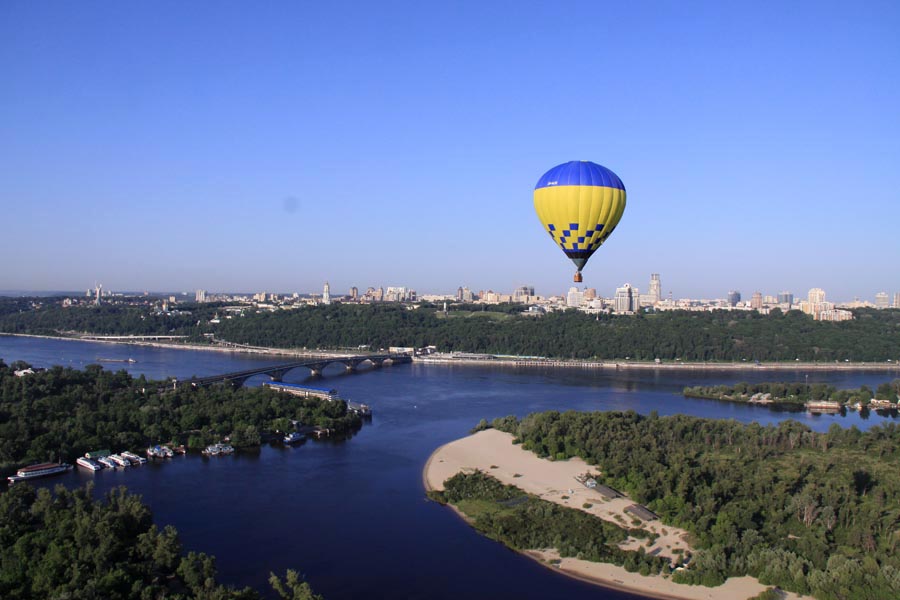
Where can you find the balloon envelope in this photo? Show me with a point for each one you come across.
(579, 203)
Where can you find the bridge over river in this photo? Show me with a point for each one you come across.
(315, 366)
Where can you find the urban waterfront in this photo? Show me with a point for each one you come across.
(352, 515)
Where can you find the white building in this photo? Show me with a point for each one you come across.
(625, 301)
(575, 298)
(326, 294)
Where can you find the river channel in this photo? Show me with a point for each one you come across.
(352, 515)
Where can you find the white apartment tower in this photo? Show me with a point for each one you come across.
(625, 301)
(881, 300)
(326, 294)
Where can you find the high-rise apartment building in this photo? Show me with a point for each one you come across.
(459, 294)
(590, 294)
(734, 297)
(625, 299)
(354, 293)
(574, 298)
(326, 294)
(882, 300)
(523, 293)
(786, 298)
(655, 292)
(897, 300)
(816, 296)
(200, 296)
(756, 301)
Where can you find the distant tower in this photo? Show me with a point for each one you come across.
(354, 293)
(734, 297)
(459, 294)
(200, 296)
(99, 294)
(881, 300)
(786, 298)
(655, 288)
(624, 299)
(756, 301)
(896, 300)
(816, 296)
(326, 294)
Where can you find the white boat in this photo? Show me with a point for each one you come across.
(218, 450)
(293, 437)
(119, 460)
(104, 460)
(159, 452)
(87, 463)
(134, 458)
(40, 470)
(212, 450)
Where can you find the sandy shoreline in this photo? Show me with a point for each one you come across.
(492, 451)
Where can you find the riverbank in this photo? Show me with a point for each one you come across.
(491, 359)
(224, 348)
(493, 452)
(623, 364)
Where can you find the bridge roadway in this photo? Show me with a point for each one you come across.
(316, 366)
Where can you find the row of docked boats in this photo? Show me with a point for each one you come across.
(99, 459)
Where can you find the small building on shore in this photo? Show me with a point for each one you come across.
(641, 512)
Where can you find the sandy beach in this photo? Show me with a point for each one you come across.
(493, 452)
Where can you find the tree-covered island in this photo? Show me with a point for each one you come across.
(61, 413)
(886, 395)
(813, 513)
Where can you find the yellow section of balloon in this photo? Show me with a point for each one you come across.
(586, 207)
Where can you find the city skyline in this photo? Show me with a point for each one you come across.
(144, 148)
(655, 294)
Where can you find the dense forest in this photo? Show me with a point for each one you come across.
(524, 522)
(65, 544)
(874, 335)
(61, 413)
(797, 392)
(814, 513)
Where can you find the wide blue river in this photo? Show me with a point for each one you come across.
(352, 515)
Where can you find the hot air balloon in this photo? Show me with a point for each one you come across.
(579, 203)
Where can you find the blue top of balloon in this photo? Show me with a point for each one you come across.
(580, 172)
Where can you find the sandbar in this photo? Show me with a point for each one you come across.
(493, 452)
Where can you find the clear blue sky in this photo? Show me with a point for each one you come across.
(275, 145)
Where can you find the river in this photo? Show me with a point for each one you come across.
(352, 515)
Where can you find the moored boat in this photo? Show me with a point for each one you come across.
(293, 437)
(133, 458)
(39, 470)
(119, 460)
(104, 460)
(159, 452)
(87, 463)
(218, 450)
